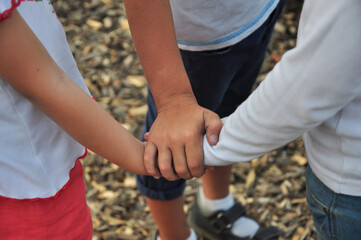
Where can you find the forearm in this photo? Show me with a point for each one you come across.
(82, 118)
(310, 86)
(51, 90)
(152, 28)
(175, 138)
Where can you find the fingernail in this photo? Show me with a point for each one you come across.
(213, 139)
(156, 177)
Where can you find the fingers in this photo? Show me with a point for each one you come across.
(180, 163)
(150, 160)
(165, 164)
(177, 140)
(163, 167)
(213, 126)
(194, 154)
(146, 136)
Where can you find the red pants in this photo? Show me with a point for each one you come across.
(64, 216)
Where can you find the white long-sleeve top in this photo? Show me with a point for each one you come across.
(315, 90)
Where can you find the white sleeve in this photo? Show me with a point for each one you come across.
(309, 85)
(6, 8)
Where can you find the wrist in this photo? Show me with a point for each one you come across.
(175, 101)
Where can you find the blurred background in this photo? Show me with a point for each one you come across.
(271, 187)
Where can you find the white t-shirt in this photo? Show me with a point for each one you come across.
(315, 90)
(36, 155)
(214, 24)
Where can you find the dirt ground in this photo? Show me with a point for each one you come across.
(271, 187)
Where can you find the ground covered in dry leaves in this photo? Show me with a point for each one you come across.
(271, 187)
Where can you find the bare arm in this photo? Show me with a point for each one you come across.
(55, 94)
(176, 135)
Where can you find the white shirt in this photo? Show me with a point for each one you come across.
(36, 155)
(214, 24)
(315, 90)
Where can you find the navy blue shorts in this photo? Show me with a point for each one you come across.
(221, 80)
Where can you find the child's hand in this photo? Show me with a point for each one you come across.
(157, 176)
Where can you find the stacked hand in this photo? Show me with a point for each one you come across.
(175, 142)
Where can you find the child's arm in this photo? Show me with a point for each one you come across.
(314, 89)
(176, 135)
(28, 68)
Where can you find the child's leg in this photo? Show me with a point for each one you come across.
(164, 198)
(213, 75)
(170, 218)
(216, 182)
(248, 56)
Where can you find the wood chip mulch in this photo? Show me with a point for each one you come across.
(272, 187)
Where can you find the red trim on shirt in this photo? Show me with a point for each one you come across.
(66, 216)
(56, 195)
(7, 13)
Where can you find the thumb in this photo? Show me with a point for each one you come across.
(213, 126)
